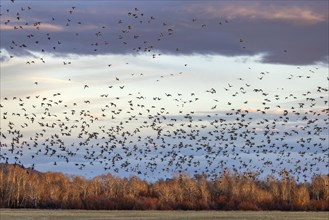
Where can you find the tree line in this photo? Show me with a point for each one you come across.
(24, 188)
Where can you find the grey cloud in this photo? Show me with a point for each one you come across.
(281, 41)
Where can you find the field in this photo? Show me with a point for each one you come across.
(11, 214)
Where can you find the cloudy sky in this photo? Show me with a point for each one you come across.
(151, 88)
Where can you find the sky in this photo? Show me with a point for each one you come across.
(154, 88)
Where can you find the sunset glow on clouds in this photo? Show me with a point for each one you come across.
(256, 11)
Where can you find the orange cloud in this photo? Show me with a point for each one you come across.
(294, 14)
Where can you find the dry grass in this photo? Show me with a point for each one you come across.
(24, 214)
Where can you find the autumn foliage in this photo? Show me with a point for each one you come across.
(22, 188)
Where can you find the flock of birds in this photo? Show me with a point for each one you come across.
(141, 134)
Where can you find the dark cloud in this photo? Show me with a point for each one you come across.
(292, 33)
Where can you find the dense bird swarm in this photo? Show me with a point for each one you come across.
(141, 134)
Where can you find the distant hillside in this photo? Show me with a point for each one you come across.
(5, 167)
